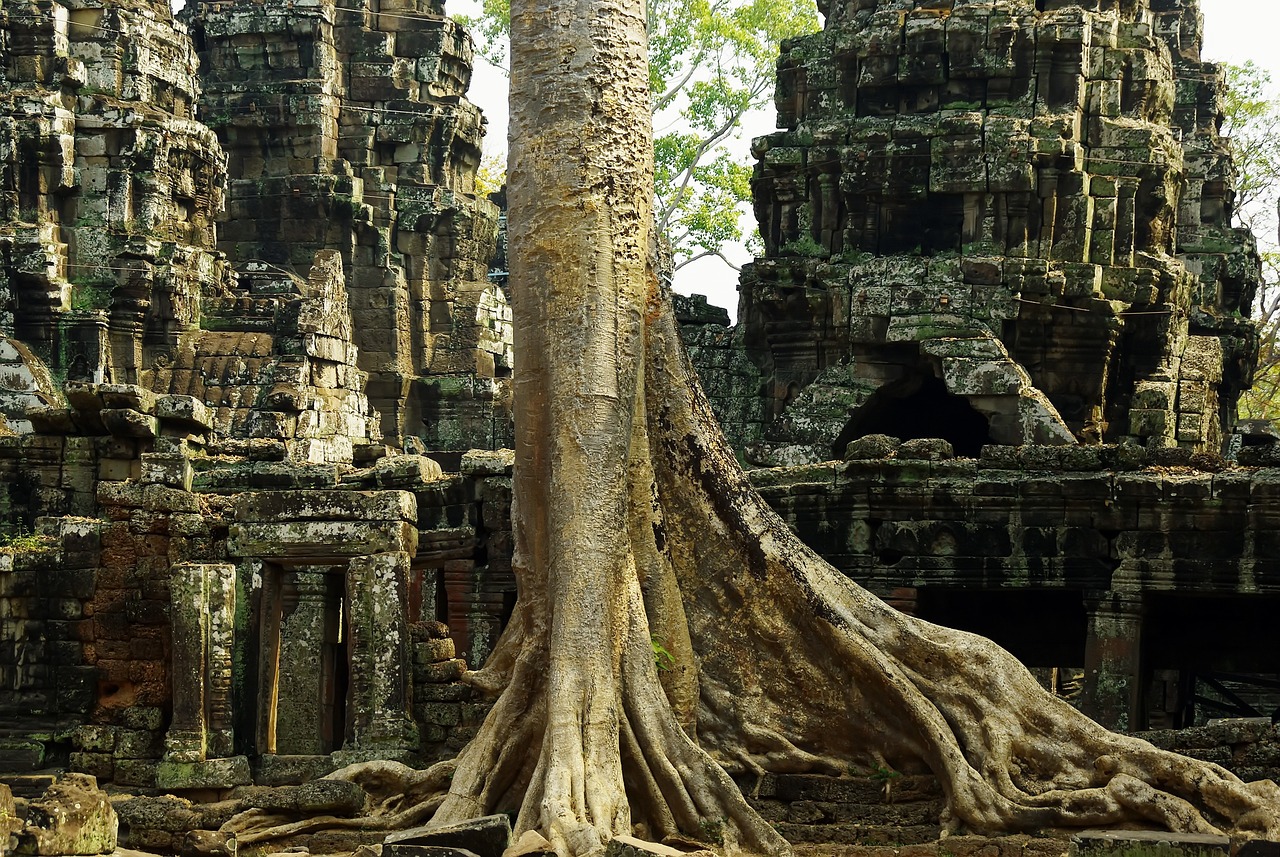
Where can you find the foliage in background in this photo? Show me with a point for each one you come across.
(491, 175)
(1263, 400)
(1253, 126)
(710, 62)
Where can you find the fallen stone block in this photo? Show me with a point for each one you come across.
(207, 843)
(401, 850)
(209, 774)
(488, 836)
(73, 817)
(1147, 843)
(9, 821)
(322, 797)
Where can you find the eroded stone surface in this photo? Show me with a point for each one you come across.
(73, 817)
(348, 129)
(999, 222)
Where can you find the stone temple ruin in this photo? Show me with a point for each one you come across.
(254, 375)
(1013, 219)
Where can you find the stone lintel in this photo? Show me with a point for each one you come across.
(273, 769)
(326, 505)
(317, 541)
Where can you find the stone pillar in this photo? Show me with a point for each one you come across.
(198, 746)
(1113, 661)
(380, 697)
(300, 726)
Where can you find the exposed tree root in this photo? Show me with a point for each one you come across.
(397, 797)
(796, 669)
(807, 648)
(633, 524)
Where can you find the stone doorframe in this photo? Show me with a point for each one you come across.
(344, 557)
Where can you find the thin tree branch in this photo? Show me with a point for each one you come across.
(704, 254)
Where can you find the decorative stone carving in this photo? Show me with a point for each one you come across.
(349, 129)
(108, 186)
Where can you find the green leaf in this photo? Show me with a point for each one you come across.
(710, 61)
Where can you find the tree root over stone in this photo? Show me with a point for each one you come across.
(796, 669)
(397, 797)
(789, 648)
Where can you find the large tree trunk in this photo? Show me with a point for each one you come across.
(634, 524)
(583, 740)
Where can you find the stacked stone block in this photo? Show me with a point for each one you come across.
(1041, 187)
(729, 378)
(278, 364)
(875, 807)
(347, 128)
(443, 705)
(46, 597)
(1249, 747)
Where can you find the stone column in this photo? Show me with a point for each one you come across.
(1113, 660)
(380, 697)
(199, 743)
(220, 734)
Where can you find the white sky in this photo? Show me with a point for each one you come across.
(1235, 31)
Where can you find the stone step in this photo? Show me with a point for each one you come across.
(19, 755)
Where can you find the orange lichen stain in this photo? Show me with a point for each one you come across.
(653, 304)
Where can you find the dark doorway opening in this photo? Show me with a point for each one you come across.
(1040, 627)
(1209, 657)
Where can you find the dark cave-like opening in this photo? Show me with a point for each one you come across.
(917, 407)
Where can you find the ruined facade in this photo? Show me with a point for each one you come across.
(226, 304)
(317, 130)
(346, 128)
(108, 192)
(1013, 217)
(245, 319)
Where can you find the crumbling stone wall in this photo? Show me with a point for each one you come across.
(108, 191)
(1013, 216)
(1103, 557)
(347, 129)
(229, 600)
(1133, 569)
(275, 360)
(46, 598)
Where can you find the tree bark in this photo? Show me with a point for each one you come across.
(634, 526)
(583, 741)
